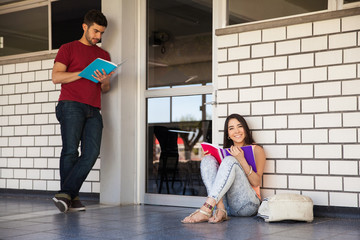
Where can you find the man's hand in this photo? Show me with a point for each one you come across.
(104, 79)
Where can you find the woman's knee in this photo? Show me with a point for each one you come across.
(229, 160)
(208, 161)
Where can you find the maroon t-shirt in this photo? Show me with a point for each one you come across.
(76, 56)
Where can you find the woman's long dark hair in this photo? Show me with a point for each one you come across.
(248, 138)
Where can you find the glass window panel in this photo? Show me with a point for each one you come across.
(158, 110)
(208, 107)
(179, 43)
(186, 108)
(5, 2)
(179, 54)
(242, 11)
(24, 31)
(174, 152)
(350, 1)
(67, 17)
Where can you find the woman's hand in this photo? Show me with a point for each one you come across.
(237, 152)
(206, 153)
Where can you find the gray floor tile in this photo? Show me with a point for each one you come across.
(39, 219)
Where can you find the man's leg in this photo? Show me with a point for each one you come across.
(71, 116)
(90, 150)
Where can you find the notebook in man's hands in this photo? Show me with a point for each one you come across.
(98, 64)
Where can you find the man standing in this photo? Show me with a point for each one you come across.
(78, 109)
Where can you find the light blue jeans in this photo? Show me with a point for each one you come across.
(229, 182)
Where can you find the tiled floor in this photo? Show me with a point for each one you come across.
(37, 218)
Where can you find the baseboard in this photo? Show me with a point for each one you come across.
(337, 212)
(20, 193)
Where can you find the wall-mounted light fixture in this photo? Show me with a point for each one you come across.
(1, 42)
(159, 39)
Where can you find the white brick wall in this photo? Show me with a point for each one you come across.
(29, 132)
(298, 87)
(239, 53)
(287, 47)
(263, 79)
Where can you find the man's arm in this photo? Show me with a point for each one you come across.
(59, 74)
(105, 86)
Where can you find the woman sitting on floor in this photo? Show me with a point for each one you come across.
(233, 187)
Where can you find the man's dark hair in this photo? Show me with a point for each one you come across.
(95, 16)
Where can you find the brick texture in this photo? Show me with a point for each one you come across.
(303, 106)
(29, 132)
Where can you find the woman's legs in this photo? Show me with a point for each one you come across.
(232, 181)
(209, 168)
(229, 179)
(241, 197)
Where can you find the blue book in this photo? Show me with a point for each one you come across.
(98, 64)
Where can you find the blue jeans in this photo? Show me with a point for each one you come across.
(229, 182)
(79, 123)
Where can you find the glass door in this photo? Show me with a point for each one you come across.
(179, 84)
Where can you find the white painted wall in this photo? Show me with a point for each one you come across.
(120, 106)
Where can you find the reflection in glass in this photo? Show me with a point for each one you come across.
(179, 43)
(24, 31)
(159, 110)
(208, 106)
(350, 1)
(186, 108)
(242, 11)
(179, 54)
(67, 17)
(174, 152)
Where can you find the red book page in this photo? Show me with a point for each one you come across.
(212, 150)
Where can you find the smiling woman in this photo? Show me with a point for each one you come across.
(233, 187)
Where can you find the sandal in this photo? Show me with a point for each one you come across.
(224, 218)
(200, 211)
